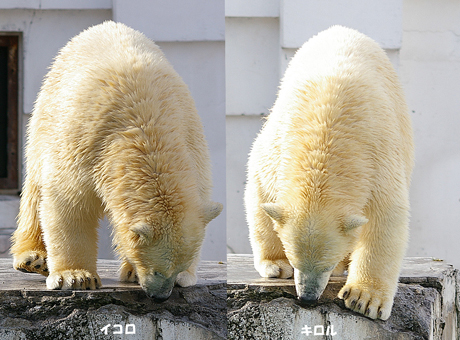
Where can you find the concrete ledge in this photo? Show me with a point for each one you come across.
(425, 307)
(29, 311)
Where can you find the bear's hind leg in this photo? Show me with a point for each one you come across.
(28, 249)
(69, 226)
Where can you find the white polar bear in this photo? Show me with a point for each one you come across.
(329, 174)
(114, 130)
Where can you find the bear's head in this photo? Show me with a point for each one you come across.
(314, 244)
(165, 244)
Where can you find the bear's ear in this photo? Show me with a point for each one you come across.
(143, 230)
(354, 221)
(211, 211)
(274, 211)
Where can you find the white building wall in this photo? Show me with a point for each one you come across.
(422, 40)
(191, 36)
(381, 20)
(430, 73)
(252, 57)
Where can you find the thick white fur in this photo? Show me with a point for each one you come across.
(114, 130)
(329, 173)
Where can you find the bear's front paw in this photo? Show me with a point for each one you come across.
(73, 279)
(368, 301)
(32, 261)
(127, 272)
(185, 279)
(275, 268)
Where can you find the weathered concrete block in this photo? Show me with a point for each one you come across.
(425, 307)
(117, 311)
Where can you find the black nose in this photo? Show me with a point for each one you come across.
(308, 299)
(160, 299)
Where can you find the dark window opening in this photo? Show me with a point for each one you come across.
(3, 111)
(8, 112)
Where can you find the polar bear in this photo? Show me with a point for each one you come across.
(114, 131)
(329, 173)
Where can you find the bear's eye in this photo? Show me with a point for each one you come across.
(328, 269)
(158, 274)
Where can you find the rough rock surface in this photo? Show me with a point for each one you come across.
(425, 306)
(29, 311)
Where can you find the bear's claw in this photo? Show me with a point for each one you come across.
(33, 261)
(127, 272)
(366, 301)
(73, 279)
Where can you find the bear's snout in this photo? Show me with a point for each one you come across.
(310, 285)
(309, 298)
(158, 287)
(158, 295)
(159, 298)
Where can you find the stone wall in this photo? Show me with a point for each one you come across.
(425, 306)
(116, 311)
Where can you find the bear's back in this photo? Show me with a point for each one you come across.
(343, 55)
(107, 83)
(340, 113)
(109, 67)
